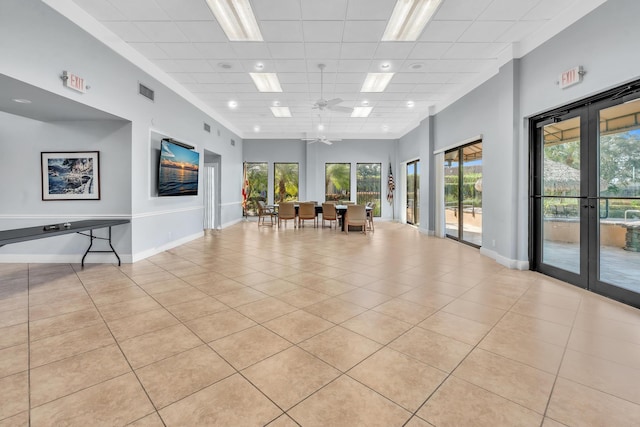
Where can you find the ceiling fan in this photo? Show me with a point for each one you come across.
(332, 104)
(322, 139)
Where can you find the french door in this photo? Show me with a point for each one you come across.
(586, 196)
(413, 192)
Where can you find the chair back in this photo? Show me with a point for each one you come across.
(347, 202)
(356, 215)
(329, 211)
(307, 210)
(286, 210)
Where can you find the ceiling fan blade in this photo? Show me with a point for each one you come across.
(326, 141)
(340, 109)
(333, 101)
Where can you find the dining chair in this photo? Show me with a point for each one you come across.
(307, 211)
(263, 212)
(286, 211)
(356, 216)
(371, 205)
(329, 213)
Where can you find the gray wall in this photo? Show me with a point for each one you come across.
(44, 44)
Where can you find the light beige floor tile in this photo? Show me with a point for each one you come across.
(615, 350)
(197, 308)
(220, 324)
(459, 403)
(19, 420)
(14, 335)
(474, 311)
(417, 422)
(250, 346)
(548, 422)
(405, 311)
(14, 359)
(340, 347)
(290, 376)
(456, 327)
(151, 420)
(398, 377)
(176, 377)
(128, 308)
(232, 401)
(14, 394)
(298, 326)
(102, 299)
(302, 297)
(433, 349)
(150, 276)
(254, 278)
(538, 329)
(512, 380)
(220, 286)
(331, 287)
(601, 374)
(490, 298)
(608, 327)
(576, 404)
(266, 309)
(148, 348)
(114, 402)
(178, 296)
(14, 317)
(57, 296)
(345, 402)
(14, 302)
(70, 305)
(275, 287)
(522, 348)
(377, 326)
(140, 324)
(545, 312)
(60, 346)
(241, 296)
(335, 310)
(64, 323)
(364, 297)
(157, 287)
(66, 376)
(388, 287)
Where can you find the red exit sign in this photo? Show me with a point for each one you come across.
(73, 81)
(570, 77)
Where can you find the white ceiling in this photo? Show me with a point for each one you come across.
(462, 46)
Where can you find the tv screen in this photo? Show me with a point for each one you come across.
(178, 171)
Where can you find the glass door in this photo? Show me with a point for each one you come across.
(586, 197)
(413, 192)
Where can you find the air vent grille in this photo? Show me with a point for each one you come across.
(233, 142)
(146, 92)
(207, 128)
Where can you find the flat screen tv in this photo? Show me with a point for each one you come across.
(178, 171)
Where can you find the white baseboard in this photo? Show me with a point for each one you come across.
(98, 258)
(170, 245)
(507, 262)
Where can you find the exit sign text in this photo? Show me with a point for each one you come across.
(570, 77)
(75, 82)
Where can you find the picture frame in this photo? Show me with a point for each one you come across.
(70, 175)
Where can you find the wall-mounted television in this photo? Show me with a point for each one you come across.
(178, 170)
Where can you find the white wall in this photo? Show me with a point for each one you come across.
(44, 44)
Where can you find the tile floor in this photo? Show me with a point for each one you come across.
(312, 327)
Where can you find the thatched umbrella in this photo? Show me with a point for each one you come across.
(562, 179)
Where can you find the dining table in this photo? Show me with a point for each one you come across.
(341, 210)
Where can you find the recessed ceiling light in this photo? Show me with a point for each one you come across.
(385, 128)
(365, 103)
(256, 129)
(224, 65)
(409, 18)
(281, 111)
(266, 82)
(259, 66)
(233, 104)
(276, 103)
(236, 19)
(21, 100)
(361, 111)
(320, 126)
(411, 104)
(385, 66)
(376, 82)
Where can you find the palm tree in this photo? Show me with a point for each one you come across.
(338, 179)
(286, 181)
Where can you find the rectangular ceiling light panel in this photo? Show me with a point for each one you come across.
(281, 111)
(361, 111)
(266, 82)
(376, 82)
(236, 19)
(408, 19)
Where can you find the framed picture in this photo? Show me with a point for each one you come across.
(71, 175)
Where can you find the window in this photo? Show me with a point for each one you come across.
(257, 175)
(337, 181)
(368, 185)
(285, 182)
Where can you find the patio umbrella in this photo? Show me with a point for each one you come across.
(562, 179)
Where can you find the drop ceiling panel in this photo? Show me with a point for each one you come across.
(459, 48)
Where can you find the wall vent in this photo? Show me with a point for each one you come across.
(146, 92)
(207, 128)
(233, 142)
(218, 132)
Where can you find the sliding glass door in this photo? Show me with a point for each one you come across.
(586, 197)
(413, 192)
